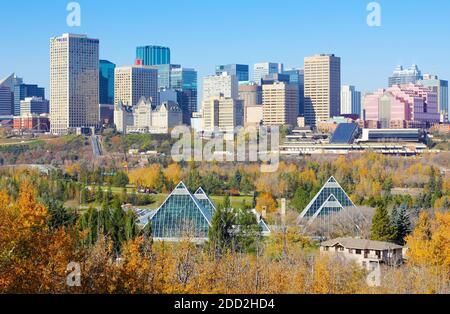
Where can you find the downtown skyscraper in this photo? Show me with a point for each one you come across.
(153, 55)
(134, 82)
(322, 88)
(74, 83)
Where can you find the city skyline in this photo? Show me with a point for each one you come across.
(367, 69)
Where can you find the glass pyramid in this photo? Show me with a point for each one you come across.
(181, 215)
(205, 201)
(330, 199)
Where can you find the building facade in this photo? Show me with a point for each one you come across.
(402, 106)
(131, 83)
(153, 55)
(220, 85)
(32, 122)
(403, 75)
(6, 101)
(280, 104)
(297, 78)
(223, 114)
(23, 91)
(350, 101)
(184, 81)
(441, 88)
(106, 80)
(260, 70)
(34, 105)
(241, 71)
(74, 83)
(322, 88)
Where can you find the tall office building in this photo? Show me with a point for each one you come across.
(184, 81)
(106, 82)
(164, 75)
(240, 70)
(350, 100)
(131, 83)
(172, 78)
(405, 76)
(222, 113)
(322, 88)
(297, 78)
(260, 70)
(251, 94)
(23, 91)
(34, 105)
(441, 88)
(280, 104)
(6, 101)
(74, 82)
(153, 55)
(220, 85)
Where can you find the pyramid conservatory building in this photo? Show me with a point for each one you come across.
(184, 215)
(331, 199)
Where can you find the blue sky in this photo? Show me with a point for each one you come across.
(203, 33)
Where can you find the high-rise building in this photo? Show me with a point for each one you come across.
(153, 55)
(240, 70)
(402, 106)
(322, 88)
(220, 85)
(6, 101)
(131, 83)
(260, 70)
(441, 88)
(297, 78)
(107, 82)
(173, 77)
(280, 104)
(23, 91)
(350, 100)
(74, 82)
(251, 94)
(222, 113)
(184, 81)
(34, 105)
(405, 76)
(164, 75)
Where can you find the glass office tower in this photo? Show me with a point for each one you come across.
(241, 71)
(184, 80)
(153, 55)
(297, 78)
(106, 82)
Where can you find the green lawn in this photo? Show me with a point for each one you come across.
(236, 201)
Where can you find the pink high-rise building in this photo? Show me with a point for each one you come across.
(402, 106)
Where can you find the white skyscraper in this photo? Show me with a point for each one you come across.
(131, 83)
(74, 83)
(217, 85)
(262, 69)
(350, 100)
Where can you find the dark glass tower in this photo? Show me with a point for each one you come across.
(106, 81)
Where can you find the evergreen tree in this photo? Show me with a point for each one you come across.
(401, 223)
(382, 229)
(221, 230)
(300, 199)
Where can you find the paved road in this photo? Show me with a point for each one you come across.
(96, 147)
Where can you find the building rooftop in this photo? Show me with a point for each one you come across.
(361, 244)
